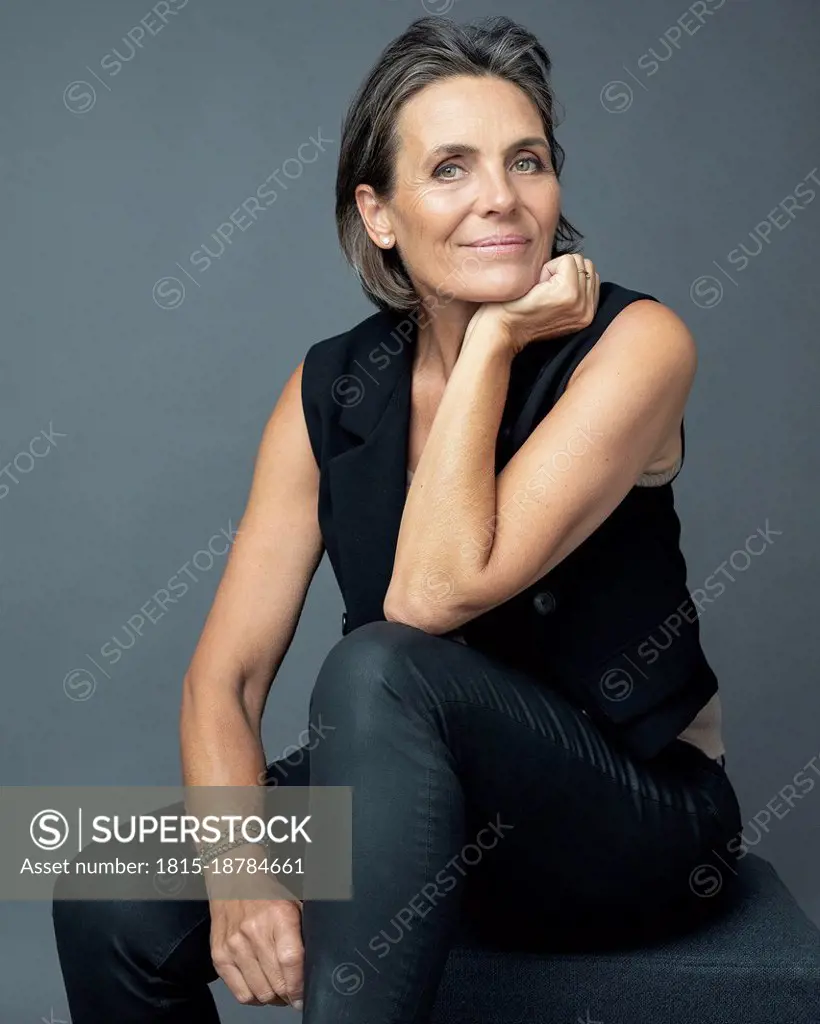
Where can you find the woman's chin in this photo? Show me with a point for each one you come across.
(500, 292)
(501, 284)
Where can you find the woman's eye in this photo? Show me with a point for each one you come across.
(536, 160)
(438, 173)
(444, 167)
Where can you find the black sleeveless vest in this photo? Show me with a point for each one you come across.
(613, 626)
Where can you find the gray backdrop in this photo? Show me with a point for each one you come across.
(137, 377)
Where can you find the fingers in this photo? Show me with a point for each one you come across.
(260, 956)
(567, 266)
(579, 272)
(291, 960)
(241, 991)
(553, 308)
(289, 949)
(589, 283)
(554, 266)
(547, 271)
(245, 976)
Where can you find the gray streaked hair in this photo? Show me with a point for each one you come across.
(430, 50)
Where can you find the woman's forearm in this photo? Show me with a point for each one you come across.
(220, 746)
(449, 517)
(220, 741)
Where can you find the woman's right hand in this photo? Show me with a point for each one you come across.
(257, 949)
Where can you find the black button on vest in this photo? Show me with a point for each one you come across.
(544, 602)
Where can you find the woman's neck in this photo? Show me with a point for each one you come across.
(439, 338)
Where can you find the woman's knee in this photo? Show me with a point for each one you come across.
(95, 934)
(88, 928)
(372, 663)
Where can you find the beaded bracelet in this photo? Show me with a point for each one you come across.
(214, 850)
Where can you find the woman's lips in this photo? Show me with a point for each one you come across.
(498, 248)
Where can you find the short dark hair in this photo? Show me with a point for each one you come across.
(431, 49)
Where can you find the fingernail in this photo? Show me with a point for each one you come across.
(298, 1004)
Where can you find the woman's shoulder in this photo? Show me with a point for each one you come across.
(624, 315)
(337, 371)
(333, 352)
(326, 350)
(614, 297)
(543, 370)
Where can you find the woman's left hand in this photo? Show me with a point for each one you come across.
(564, 300)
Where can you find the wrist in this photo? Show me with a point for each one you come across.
(493, 335)
(239, 874)
(239, 847)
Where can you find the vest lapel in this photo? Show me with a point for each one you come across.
(367, 477)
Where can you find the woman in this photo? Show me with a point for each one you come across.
(520, 659)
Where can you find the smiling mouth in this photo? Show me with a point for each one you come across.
(498, 250)
(502, 242)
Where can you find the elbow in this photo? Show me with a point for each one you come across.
(430, 615)
(397, 612)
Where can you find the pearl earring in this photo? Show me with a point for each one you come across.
(386, 239)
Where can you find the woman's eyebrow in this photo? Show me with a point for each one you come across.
(463, 147)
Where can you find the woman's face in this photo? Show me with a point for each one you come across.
(474, 163)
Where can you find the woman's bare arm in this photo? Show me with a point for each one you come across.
(256, 943)
(492, 537)
(256, 607)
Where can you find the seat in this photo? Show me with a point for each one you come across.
(755, 962)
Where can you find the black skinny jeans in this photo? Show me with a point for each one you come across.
(486, 808)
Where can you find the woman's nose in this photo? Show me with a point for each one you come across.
(497, 192)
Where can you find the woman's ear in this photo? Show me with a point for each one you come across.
(374, 216)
